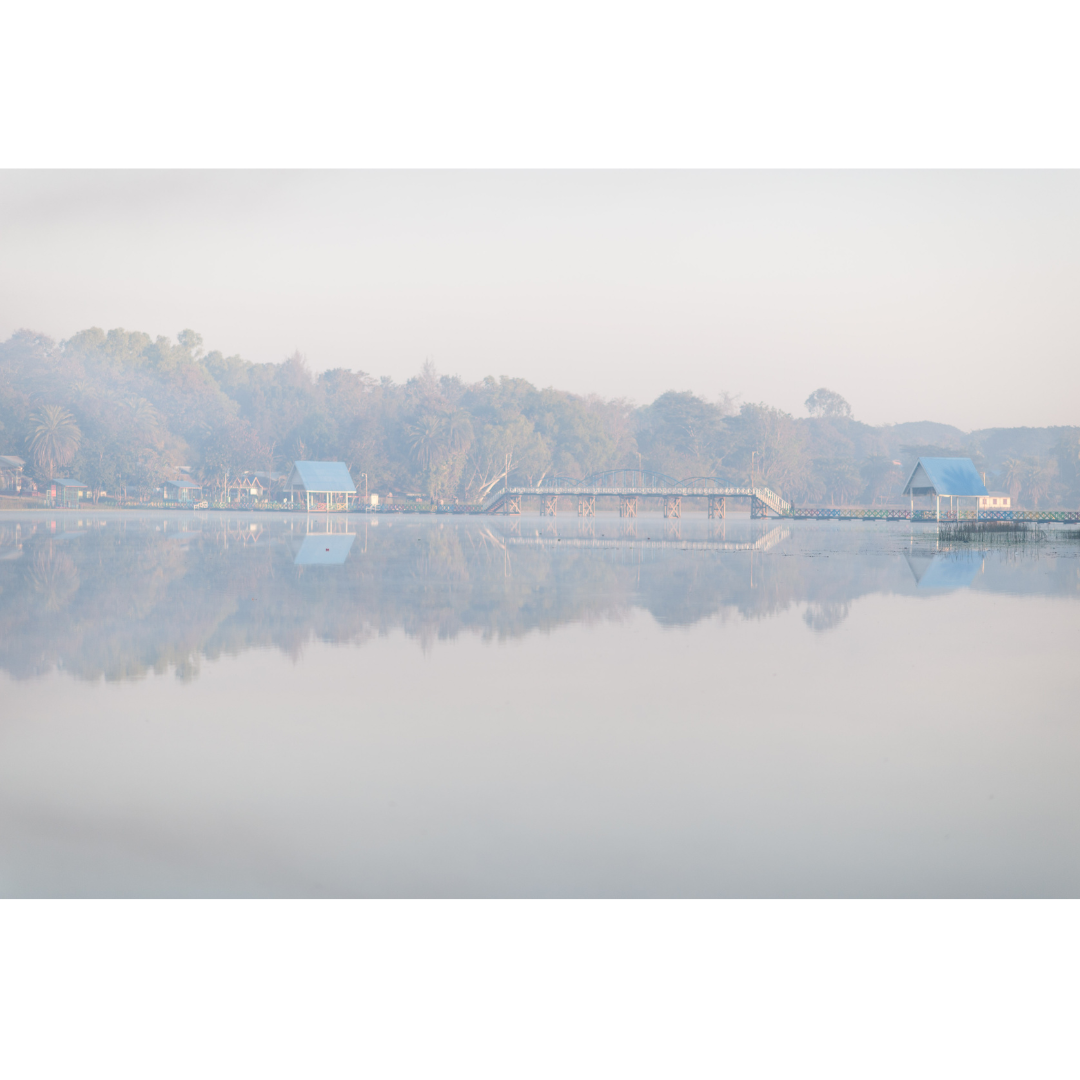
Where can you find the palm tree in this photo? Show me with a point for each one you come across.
(54, 437)
(147, 420)
(1038, 476)
(425, 437)
(1014, 477)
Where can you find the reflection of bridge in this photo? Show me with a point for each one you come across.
(762, 543)
(630, 485)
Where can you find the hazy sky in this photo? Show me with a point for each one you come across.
(917, 295)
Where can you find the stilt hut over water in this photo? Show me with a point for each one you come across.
(946, 478)
(321, 485)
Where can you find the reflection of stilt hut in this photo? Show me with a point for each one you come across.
(321, 485)
(946, 478)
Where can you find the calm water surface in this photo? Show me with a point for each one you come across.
(212, 705)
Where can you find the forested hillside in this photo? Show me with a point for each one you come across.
(120, 408)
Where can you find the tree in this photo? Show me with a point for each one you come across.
(842, 479)
(1067, 454)
(683, 435)
(881, 476)
(1013, 477)
(828, 404)
(768, 448)
(233, 448)
(1038, 476)
(54, 437)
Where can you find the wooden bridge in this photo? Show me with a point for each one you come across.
(631, 485)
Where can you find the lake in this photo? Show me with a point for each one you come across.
(214, 704)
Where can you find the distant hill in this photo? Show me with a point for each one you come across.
(923, 433)
(1000, 444)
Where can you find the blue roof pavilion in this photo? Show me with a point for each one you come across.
(326, 485)
(945, 478)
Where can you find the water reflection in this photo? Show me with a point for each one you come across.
(327, 542)
(122, 595)
(406, 706)
(946, 570)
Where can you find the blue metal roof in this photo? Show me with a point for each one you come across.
(947, 476)
(324, 550)
(323, 476)
(68, 483)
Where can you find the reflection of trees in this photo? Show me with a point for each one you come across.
(124, 600)
(827, 615)
(54, 577)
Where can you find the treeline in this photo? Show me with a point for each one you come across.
(120, 409)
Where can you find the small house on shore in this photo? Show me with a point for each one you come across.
(11, 471)
(247, 487)
(321, 485)
(946, 478)
(996, 500)
(67, 493)
(252, 484)
(182, 491)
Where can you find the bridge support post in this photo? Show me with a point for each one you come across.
(512, 504)
(673, 506)
(717, 507)
(628, 506)
(758, 509)
(550, 506)
(586, 506)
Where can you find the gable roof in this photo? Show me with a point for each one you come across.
(322, 476)
(947, 476)
(10, 462)
(67, 483)
(182, 484)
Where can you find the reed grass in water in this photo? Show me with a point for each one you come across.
(990, 532)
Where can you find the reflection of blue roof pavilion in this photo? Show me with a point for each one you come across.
(945, 478)
(945, 570)
(327, 549)
(326, 485)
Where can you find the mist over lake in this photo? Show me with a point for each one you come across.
(408, 705)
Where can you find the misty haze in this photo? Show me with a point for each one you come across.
(539, 534)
